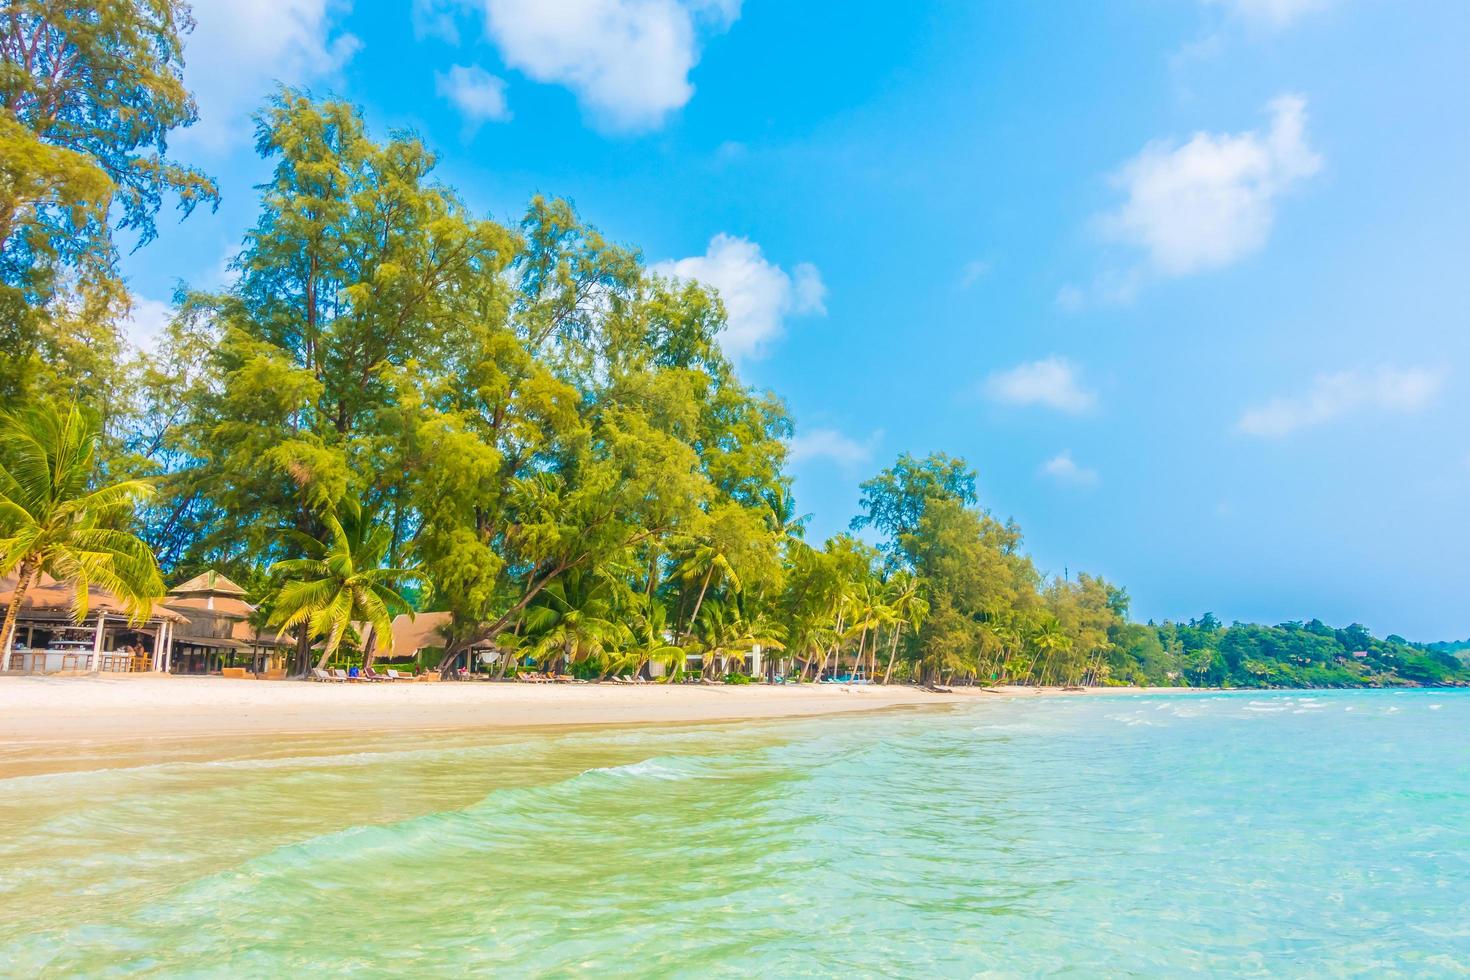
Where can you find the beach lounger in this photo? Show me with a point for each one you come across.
(373, 675)
(338, 674)
(317, 674)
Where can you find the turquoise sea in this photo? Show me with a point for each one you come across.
(1295, 834)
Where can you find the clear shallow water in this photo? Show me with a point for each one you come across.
(1242, 833)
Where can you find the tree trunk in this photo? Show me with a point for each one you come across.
(689, 630)
(303, 651)
(892, 652)
(23, 576)
(369, 650)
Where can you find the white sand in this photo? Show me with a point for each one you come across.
(65, 713)
(69, 709)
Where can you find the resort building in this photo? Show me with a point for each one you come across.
(49, 639)
(429, 631)
(216, 632)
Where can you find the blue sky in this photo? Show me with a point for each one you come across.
(1185, 280)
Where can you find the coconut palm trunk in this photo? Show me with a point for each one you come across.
(23, 577)
(892, 652)
(694, 616)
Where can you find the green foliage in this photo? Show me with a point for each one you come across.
(60, 518)
(545, 432)
(88, 96)
(340, 584)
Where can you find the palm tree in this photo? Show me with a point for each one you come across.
(573, 619)
(342, 581)
(723, 632)
(907, 606)
(715, 563)
(55, 520)
(788, 527)
(1048, 639)
(649, 641)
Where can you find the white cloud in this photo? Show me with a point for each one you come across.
(241, 48)
(1332, 396)
(1210, 201)
(1272, 13)
(758, 295)
(436, 19)
(1051, 383)
(146, 322)
(832, 445)
(478, 95)
(1070, 298)
(628, 61)
(1064, 469)
(973, 272)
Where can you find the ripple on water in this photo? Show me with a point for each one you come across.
(1156, 834)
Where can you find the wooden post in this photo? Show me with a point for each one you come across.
(97, 642)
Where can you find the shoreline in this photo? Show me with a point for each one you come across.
(50, 724)
(55, 711)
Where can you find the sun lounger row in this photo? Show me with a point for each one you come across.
(337, 675)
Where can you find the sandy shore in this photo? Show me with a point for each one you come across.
(71, 709)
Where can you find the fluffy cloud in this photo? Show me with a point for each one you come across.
(1210, 201)
(973, 272)
(628, 61)
(829, 444)
(758, 295)
(1272, 13)
(1051, 383)
(146, 322)
(239, 50)
(478, 95)
(1332, 396)
(1064, 469)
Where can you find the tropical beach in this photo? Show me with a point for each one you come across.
(62, 711)
(724, 488)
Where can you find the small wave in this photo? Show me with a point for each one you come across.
(650, 768)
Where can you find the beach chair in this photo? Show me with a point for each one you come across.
(394, 675)
(372, 675)
(338, 674)
(317, 674)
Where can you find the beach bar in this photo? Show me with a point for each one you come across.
(48, 639)
(216, 632)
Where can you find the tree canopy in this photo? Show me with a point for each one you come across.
(398, 403)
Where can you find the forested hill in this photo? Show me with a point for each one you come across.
(1206, 653)
(1458, 648)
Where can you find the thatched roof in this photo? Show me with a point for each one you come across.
(49, 598)
(423, 630)
(412, 634)
(220, 607)
(208, 583)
